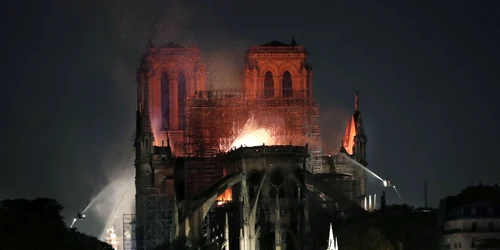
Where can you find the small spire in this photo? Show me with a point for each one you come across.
(145, 104)
(168, 139)
(356, 102)
(150, 43)
(331, 239)
(293, 43)
(139, 101)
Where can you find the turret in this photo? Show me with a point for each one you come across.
(332, 241)
(360, 139)
(150, 43)
(144, 139)
(354, 144)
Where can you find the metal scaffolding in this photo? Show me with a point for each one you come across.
(158, 219)
(201, 173)
(129, 242)
(215, 118)
(315, 161)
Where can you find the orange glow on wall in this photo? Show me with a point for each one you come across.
(226, 196)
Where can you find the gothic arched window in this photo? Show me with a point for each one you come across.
(287, 84)
(181, 81)
(165, 99)
(269, 85)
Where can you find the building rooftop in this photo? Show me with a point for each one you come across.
(275, 44)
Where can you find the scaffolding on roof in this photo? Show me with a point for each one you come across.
(215, 118)
(315, 161)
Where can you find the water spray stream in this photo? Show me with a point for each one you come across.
(386, 183)
(88, 206)
(82, 213)
(397, 192)
(114, 211)
(72, 223)
(365, 168)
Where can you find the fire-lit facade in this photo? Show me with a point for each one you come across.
(185, 131)
(273, 107)
(175, 73)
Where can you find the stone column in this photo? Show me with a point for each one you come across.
(190, 85)
(254, 88)
(297, 85)
(259, 86)
(278, 86)
(156, 114)
(309, 84)
(174, 101)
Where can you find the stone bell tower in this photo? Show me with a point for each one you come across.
(277, 69)
(175, 74)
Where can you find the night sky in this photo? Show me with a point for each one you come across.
(427, 74)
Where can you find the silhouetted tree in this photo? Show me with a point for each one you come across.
(180, 243)
(38, 224)
(404, 227)
(370, 239)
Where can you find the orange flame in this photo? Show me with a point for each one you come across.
(252, 135)
(350, 133)
(227, 195)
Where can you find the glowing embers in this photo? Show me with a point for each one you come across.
(252, 135)
(111, 238)
(225, 197)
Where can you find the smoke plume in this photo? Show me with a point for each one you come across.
(333, 122)
(133, 22)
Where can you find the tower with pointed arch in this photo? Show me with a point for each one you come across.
(277, 69)
(175, 73)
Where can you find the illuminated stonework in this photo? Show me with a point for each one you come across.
(277, 69)
(175, 72)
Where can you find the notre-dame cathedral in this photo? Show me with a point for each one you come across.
(251, 155)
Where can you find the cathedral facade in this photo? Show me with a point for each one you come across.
(186, 133)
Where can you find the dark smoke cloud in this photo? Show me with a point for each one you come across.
(133, 22)
(333, 121)
(177, 21)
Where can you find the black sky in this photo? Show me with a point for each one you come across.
(427, 72)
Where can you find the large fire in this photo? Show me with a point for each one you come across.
(252, 135)
(227, 195)
(350, 134)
